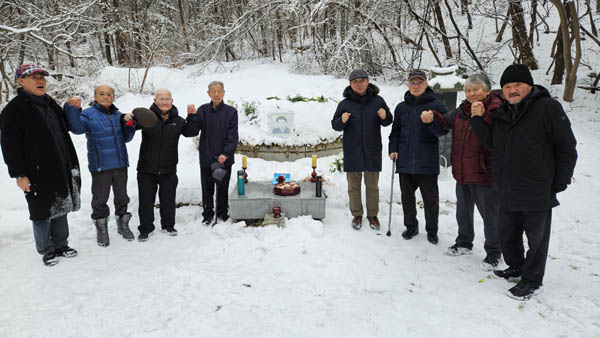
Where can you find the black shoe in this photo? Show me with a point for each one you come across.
(510, 274)
(170, 231)
(65, 251)
(207, 220)
(433, 238)
(410, 233)
(224, 217)
(143, 236)
(522, 291)
(490, 262)
(50, 259)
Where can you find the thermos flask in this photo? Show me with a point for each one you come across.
(319, 187)
(240, 182)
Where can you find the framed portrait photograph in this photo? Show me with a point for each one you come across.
(281, 124)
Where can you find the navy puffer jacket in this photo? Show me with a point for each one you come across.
(415, 142)
(362, 132)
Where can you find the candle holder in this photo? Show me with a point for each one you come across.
(245, 175)
(313, 176)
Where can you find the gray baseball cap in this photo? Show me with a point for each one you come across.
(358, 73)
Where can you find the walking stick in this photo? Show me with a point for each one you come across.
(389, 233)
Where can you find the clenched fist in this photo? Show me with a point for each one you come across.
(191, 109)
(345, 117)
(477, 109)
(427, 116)
(381, 113)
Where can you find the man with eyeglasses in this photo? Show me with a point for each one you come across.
(414, 146)
(218, 127)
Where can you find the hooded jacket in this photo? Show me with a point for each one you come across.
(534, 151)
(415, 142)
(361, 140)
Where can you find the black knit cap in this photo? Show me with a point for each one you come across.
(516, 73)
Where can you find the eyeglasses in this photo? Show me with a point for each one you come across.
(416, 83)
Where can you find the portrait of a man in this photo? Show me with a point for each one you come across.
(281, 124)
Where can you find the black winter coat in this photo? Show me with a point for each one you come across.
(219, 132)
(534, 154)
(362, 132)
(415, 142)
(159, 148)
(30, 149)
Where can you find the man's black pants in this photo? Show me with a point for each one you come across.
(208, 191)
(428, 186)
(536, 225)
(148, 185)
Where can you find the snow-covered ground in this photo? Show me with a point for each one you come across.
(309, 279)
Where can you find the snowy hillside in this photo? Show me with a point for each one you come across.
(310, 279)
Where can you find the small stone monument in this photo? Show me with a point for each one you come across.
(446, 84)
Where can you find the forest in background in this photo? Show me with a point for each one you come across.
(74, 38)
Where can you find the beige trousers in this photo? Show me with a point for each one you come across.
(372, 192)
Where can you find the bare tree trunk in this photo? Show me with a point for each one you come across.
(520, 35)
(495, 15)
(532, 24)
(464, 9)
(107, 48)
(440, 18)
(186, 40)
(571, 66)
(462, 37)
(71, 58)
(504, 24)
(559, 60)
(589, 11)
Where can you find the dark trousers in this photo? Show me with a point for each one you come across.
(101, 183)
(50, 234)
(428, 186)
(536, 225)
(148, 185)
(468, 196)
(208, 191)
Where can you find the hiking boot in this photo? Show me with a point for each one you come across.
(374, 222)
(357, 222)
(170, 231)
(410, 233)
(490, 262)
(458, 250)
(224, 217)
(509, 274)
(101, 231)
(50, 259)
(143, 236)
(523, 291)
(65, 251)
(123, 226)
(207, 220)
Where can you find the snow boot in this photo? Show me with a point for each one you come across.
(123, 226)
(101, 231)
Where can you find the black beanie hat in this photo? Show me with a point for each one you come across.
(516, 73)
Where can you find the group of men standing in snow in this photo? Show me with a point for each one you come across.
(511, 154)
(40, 154)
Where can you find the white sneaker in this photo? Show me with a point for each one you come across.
(458, 250)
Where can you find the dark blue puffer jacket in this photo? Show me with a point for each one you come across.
(362, 132)
(415, 142)
(105, 136)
